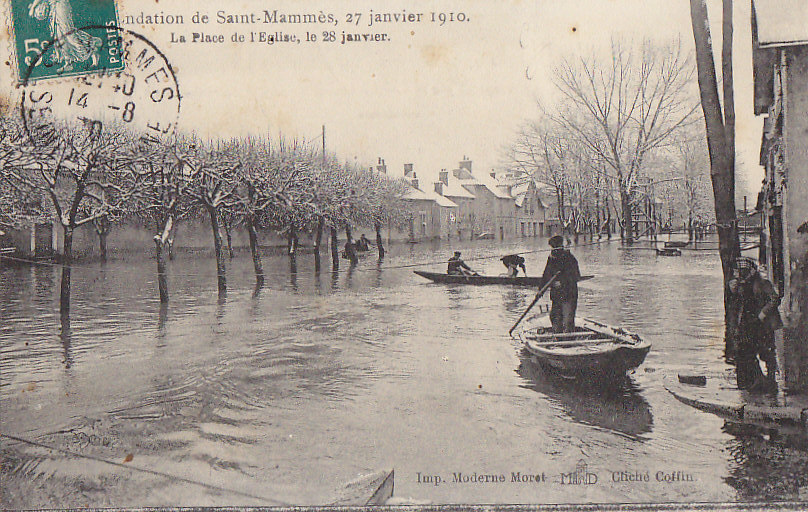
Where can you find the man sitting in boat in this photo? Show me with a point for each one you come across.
(512, 262)
(363, 244)
(564, 290)
(458, 267)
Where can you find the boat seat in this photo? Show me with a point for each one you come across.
(563, 335)
(573, 343)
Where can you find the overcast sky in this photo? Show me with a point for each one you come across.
(431, 94)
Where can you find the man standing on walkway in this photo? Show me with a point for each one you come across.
(564, 290)
(758, 318)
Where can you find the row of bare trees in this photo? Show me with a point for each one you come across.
(100, 175)
(623, 132)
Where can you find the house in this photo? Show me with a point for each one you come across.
(449, 187)
(493, 210)
(433, 216)
(530, 209)
(780, 67)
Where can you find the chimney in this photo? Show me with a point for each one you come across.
(381, 161)
(439, 188)
(493, 174)
(382, 167)
(415, 183)
(465, 163)
(443, 176)
(408, 170)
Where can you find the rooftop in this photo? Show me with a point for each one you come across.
(781, 22)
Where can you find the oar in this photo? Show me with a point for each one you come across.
(535, 300)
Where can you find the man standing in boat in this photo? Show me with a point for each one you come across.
(564, 290)
(458, 267)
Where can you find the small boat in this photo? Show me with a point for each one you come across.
(669, 251)
(447, 278)
(594, 351)
(478, 280)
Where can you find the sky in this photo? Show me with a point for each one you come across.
(430, 94)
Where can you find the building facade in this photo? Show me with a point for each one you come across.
(780, 63)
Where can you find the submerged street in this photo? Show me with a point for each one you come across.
(282, 396)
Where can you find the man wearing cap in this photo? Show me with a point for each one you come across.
(758, 318)
(564, 290)
(458, 267)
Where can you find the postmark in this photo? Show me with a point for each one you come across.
(60, 38)
(142, 97)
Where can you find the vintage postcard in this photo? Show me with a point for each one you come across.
(356, 253)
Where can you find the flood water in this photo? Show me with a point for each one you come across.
(284, 395)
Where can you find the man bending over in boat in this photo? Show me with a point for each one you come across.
(512, 262)
(564, 290)
(458, 267)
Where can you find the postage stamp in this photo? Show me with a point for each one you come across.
(58, 38)
(143, 95)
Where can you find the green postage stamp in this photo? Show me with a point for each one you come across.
(58, 38)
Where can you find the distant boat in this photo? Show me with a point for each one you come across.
(594, 351)
(481, 280)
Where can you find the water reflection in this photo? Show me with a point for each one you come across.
(767, 464)
(620, 409)
(514, 301)
(66, 336)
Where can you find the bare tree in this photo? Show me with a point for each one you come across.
(18, 199)
(720, 141)
(625, 107)
(81, 169)
(163, 198)
(212, 184)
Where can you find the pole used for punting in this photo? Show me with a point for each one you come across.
(539, 295)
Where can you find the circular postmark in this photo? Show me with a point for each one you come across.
(139, 94)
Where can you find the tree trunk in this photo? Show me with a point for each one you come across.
(628, 222)
(221, 269)
(722, 173)
(379, 244)
(318, 239)
(349, 246)
(254, 250)
(67, 260)
(334, 250)
(727, 83)
(102, 229)
(102, 245)
(170, 242)
(162, 280)
(229, 237)
(291, 246)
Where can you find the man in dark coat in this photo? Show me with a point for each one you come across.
(458, 267)
(564, 290)
(758, 318)
(513, 262)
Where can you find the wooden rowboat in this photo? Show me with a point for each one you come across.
(479, 280)
(446, 278)
(593, 351)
